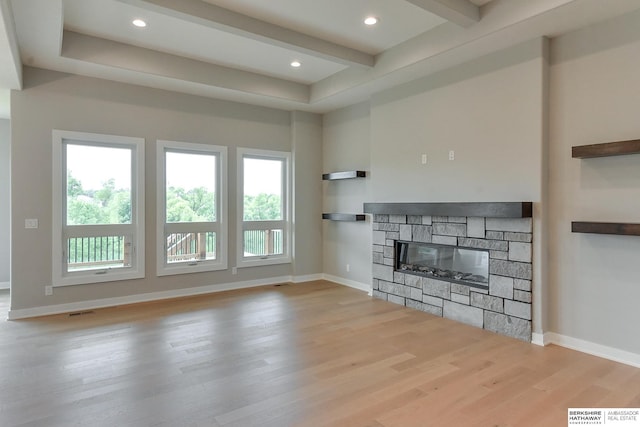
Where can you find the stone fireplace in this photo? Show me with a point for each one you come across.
(405, 244)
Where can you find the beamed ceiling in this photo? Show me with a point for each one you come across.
(242, 49)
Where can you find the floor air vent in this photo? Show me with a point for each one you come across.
(80, 313)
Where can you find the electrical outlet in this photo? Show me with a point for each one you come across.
(424, 159)
(234, 270)
(452, 155)
(348, 268)
(31, 223)
(48, 290)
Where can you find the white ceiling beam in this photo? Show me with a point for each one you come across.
(460, 12)
(11, 64)
(216, 17)
(95, 50)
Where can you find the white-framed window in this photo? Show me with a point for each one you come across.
(98, 208)
(264, 207)
(192, 207)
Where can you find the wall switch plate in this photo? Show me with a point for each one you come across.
(48, 290)
(348, 268)
(424, 159)
(31, 223)
(234, 270)
(452, 155)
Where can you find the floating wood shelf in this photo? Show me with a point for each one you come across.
(618, 228)
(343, 217)
(485, 209)
(343, 175)
(606, 149)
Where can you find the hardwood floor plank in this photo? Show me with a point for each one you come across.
(315, 354)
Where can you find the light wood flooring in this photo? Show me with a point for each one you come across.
(314, 354)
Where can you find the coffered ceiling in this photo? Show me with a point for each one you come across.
(243, 49)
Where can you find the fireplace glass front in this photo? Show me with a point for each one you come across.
(450, 263)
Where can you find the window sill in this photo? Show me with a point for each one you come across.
(201, 267)
(258, 262)
(89, 278)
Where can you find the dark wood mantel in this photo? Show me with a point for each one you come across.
(606, 149)
(477, 209)
(618, 228)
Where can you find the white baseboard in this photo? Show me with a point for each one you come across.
(538, 339)
(152, 296)
(5, 285)
(350, 283)
(606, 352)
(307, 278)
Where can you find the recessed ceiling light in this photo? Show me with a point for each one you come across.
(139, 23)
(296, 64)
(371, 20)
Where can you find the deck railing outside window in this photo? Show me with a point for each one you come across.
(191, 246)
(262, 242)
(86, 253)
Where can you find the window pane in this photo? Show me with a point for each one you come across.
(183, 247)
(98, 185)
(190, 187)
(97, 253)
(263, 242)
(262, 189)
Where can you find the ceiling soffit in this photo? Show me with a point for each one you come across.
(206, 14)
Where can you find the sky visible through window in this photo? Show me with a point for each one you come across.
(191, 170)
(96, 165)
(262, 176)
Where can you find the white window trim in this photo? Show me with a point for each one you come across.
(284, 224)
(219, 227)
(137, 270)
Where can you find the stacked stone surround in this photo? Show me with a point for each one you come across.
(505, 307)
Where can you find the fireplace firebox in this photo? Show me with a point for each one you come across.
(456, 264)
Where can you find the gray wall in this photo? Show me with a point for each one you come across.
(595, 97)
(53, 100)
(5, 241)
(346, 146)
(487, 111)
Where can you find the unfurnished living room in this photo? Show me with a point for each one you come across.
(379, 213)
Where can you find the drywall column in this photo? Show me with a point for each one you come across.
(306, 146)
(595, 98)
(347, 245)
